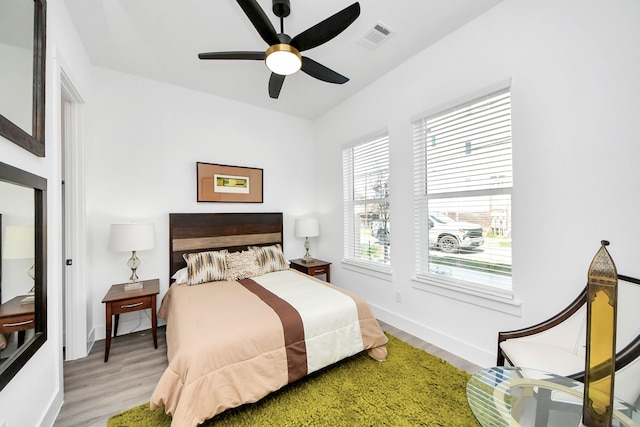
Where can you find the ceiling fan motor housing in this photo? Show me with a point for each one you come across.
(281, 8)
(284, 38)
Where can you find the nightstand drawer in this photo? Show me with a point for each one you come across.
(16, 323)
(318, 270)
(131, 304)
(316, 267)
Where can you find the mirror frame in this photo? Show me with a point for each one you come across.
(16, 361)
(33, 142)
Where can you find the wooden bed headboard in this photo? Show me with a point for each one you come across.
(199, 232)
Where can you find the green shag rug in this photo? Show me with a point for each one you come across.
(412, 388)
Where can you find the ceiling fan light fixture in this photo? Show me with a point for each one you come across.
(283, 59)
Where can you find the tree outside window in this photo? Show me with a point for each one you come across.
(366, 202)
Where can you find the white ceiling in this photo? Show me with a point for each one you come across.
(160, 39)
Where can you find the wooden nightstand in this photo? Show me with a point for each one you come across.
(118, 301)
(17, 317)
(313, 268)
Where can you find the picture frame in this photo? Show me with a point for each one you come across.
(229, 184)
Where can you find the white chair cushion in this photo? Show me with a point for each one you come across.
(542, 356)
(548, 358)
(570, 335)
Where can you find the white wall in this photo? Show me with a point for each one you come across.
(574, 67)
(35, 394)
(143, 140)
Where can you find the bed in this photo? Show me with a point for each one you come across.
(234, 340)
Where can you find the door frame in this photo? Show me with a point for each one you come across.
(76, 321)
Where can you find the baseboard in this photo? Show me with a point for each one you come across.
(91, 339)
(129, 322)
(449, 343)
(52, 412)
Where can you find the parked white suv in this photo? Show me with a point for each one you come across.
(449, 235)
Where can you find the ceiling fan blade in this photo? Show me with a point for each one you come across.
(327, 29)
(275, 84)
(260, 21)
(232, 55)
(320, 72)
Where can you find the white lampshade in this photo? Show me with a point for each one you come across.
(19, 242)
(307, 228)
(131, 237)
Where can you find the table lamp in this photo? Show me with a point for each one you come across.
(19, 243)
(307, 228)
(132, 237)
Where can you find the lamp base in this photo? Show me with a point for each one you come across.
(307, 258)
(132, 286)
(28, 299)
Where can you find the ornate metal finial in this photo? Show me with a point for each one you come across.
(602, 269)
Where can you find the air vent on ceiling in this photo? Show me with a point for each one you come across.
(375, 36)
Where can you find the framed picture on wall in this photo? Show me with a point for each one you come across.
(225, 183)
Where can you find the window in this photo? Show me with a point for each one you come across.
(463, 184)
(367, 227)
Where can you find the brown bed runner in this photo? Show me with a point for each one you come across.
(291, 325)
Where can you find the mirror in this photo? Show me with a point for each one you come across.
(22, 73)
(22, 268)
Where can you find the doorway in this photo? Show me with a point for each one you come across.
(75, 318)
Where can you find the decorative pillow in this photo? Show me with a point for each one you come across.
(241, 265)
(205, 266)
(181, 276)
(271, 258)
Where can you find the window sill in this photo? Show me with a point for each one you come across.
(502, 301)
(379, 271)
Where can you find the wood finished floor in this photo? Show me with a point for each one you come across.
(94, 391)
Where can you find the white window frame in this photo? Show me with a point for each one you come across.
(484, 295)
(351, 261)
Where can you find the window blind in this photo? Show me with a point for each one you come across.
(463, 173)
(366, 201)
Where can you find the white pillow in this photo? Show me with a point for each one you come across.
(181, 276)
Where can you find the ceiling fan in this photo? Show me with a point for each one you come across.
(283, 55)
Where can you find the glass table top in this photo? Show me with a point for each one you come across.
(521, 397)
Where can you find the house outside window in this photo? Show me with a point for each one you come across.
(367, 220)
(462, 198)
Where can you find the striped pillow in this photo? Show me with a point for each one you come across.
(271, 258)
(205, 266)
